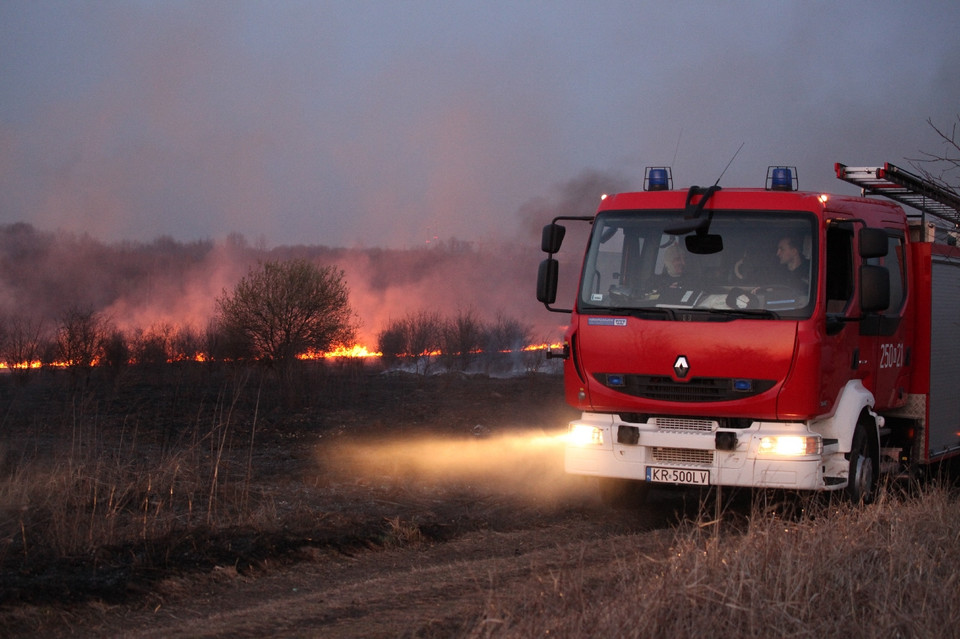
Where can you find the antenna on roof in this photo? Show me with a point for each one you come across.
(677, 148)
(729, 163)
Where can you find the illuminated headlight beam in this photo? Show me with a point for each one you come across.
(790, 445)
(584, 435)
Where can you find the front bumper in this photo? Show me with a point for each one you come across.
(692, 444)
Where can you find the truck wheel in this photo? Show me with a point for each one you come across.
(623, 493)
(862, 477)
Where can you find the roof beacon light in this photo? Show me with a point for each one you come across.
(782, 178)
(657, 178)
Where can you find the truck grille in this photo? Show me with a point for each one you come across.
(683, 456)
(684, 423)
(698, 389)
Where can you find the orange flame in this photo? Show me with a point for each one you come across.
(22, 366)
(356, 350)
(543, 347)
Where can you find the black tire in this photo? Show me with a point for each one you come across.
(623, 494)
(862, 475)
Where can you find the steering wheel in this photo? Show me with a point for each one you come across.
(740, 299)
(779, 292)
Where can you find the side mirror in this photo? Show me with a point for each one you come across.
(874, 288)
(873, 243)
(552, 237)
(547, 277)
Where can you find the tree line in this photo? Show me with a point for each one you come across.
(279, 311)
(423, 340)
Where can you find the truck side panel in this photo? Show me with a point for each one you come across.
(943, 423)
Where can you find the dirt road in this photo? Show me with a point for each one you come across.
(425, 589)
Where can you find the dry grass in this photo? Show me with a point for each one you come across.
(106, 487)
(100, 487)
(888, 570)
(75, 504)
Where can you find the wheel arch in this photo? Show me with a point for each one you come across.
(854, 404)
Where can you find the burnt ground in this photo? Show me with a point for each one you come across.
(386, 504)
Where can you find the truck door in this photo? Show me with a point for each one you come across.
(885, 335)
(840, 354)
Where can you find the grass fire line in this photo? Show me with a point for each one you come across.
(355, 351)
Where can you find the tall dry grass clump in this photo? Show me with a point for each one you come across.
(887, 570)
(88, 487)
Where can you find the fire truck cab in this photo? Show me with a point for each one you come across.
(762, 337)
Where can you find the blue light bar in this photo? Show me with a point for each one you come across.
(782, 178)
(657, 178)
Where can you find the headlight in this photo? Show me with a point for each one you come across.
(584, 435)
(790, 445)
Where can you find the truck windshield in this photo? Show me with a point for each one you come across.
(745, 263)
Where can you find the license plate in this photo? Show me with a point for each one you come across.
(678, 476)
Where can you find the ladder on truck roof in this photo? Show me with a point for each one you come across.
(904, 187)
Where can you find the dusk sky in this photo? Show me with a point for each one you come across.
(387, 123)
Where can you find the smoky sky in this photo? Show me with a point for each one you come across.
(378, 123)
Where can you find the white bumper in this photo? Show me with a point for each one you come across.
(692, 445)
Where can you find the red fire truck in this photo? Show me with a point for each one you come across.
(763, 337)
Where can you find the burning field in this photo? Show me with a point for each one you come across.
(73, 302)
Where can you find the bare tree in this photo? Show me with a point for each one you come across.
(116, 352)
(20, 345)
(424, 337)
(283, 309)
(81, 336)
(152, 346)
(221, 345)
(391, 343)
(186, 344)
(505, 341)
(416, 337)
(942, 167)
(463, 338)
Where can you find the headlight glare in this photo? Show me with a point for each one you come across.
(790, 445)
(584, 435)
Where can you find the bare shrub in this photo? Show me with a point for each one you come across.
(463, 338)
(414, 338)
(392, 343)
(504, 342)
(221, 345)
(186, 344)
(80, 338)
(116, 351)
(424, 337)
(462, 342)
(534, 356)
(20, 345)
(151, 347)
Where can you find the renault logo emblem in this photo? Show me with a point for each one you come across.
(681, 367)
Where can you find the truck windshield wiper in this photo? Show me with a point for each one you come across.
(743, 312)
(634, 311)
